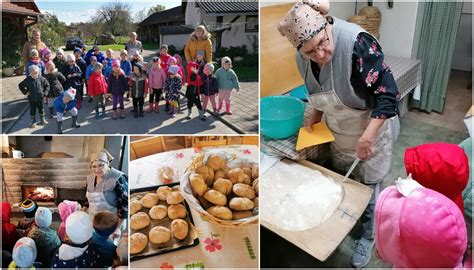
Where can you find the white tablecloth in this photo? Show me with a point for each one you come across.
(219, 247)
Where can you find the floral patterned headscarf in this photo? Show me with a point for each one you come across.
(304, 21)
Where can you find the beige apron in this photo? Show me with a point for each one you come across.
(347, 125)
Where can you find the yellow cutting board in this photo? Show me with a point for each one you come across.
(321, 134)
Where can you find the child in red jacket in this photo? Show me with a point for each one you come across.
(193, 91)
(97, 87)
(9, 233)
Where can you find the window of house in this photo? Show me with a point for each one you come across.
(251, 23)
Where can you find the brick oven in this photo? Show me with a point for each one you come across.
(48, 181)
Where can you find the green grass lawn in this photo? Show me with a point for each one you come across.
(247, 74)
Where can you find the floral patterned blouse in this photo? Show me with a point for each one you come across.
(369, 72)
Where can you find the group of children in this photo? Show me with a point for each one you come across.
(60, 82)
(81, 241)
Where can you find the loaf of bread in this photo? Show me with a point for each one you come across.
(149, 200)
(159, 235)
(135, 206)
(241, 204)
(222, 185)
(243, 190)
(138, 242)
(215, 197)
(197, 183)
(158, 212)
(215, 162)
(139, 221)
(163, 192)
(207, 173)
(179, 229)
(175, 197)
(176, 211)
(221, 212)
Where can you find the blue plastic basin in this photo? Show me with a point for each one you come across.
(281, 116)
(300, 92)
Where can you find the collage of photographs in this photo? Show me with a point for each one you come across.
(228, 134)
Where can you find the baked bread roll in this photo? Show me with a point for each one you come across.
(220, 174)
(255, 202)
(159, 235)
(165, 174)
(163, 192)
(241, 214)
(221, 212)
(135, 206)
(243, 190)
(247, 171)
(216, 197)
(149, 200)
(255, 185)
(175, 197)
(247, 180)
(216, 162)
(179, 229)
(197, 184)
(138, 242)
(158, 212)
(176, 211)
(207, 173)
(241, 204)
(222, 185)
(255, 171)
(203, 202)
(139, 221)
(236, 175)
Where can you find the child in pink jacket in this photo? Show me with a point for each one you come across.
(156, 82)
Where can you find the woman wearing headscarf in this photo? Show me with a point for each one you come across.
(200, 40)
(107, 188)
(354, 91)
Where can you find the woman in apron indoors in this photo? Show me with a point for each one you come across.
(107, 189)
(353, 91)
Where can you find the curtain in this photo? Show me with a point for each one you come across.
(438, 36)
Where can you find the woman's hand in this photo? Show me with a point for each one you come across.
(364, 148)
(365, 145)
(313, 119)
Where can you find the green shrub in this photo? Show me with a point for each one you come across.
(11, 54)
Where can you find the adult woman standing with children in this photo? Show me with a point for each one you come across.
(34, 43)
(355, 92)
(200, 40)
(107, 188)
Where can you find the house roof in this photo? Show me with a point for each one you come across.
(213, 7)
(22, 8)
(169, 15)
(176, 30)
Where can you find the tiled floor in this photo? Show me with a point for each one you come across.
(416, 128)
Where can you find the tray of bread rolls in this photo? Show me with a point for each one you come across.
(160, 221)
(223, 188)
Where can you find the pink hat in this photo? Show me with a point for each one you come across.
(115, 63)
(304, 21)
(422, 229)
(66, 208)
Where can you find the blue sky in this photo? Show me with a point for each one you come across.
(74, 11)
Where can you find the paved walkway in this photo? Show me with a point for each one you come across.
(243, 120)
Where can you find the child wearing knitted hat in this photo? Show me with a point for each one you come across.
(210, 88)
(56, 80)
(194, 89)
(25, 224)
(227, 80)
(139, 89)
(97, 88)
(60, 60)
(36, 88)
(104, 223)
(156, 79)
(46, 56)
(172, 88)
(76, 253)
(24, 254)
(65, 209)
(35, 60)
(66, 103)
(118, 85)
(46, 239)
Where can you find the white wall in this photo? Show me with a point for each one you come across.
(193, 14)
(397, 30)
(237, 36)
(462, 58)
(176, 40)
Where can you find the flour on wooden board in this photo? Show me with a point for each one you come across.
(297, 198)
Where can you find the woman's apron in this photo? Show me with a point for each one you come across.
(98, 202)
(347, 125)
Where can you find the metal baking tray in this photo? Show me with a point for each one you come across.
(174, 244)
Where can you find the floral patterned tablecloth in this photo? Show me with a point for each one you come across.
(219, 247)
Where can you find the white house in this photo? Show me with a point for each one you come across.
(232, 23)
